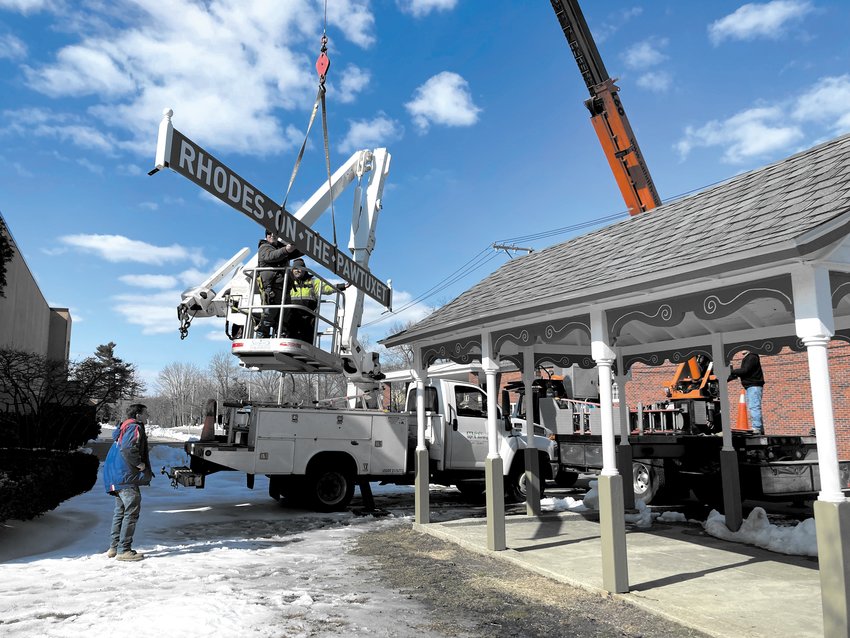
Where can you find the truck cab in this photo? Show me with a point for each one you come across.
(456, 435)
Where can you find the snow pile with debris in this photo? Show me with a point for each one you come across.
(799, 540)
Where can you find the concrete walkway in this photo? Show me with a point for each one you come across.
(675, 570)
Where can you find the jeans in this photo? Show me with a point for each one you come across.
(128, 503)
(754, 393)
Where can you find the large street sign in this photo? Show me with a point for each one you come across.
(182, 155)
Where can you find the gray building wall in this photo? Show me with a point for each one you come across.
(26, 321)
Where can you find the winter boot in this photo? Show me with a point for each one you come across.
(131, 555)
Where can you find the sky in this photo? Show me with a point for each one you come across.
(480, 105)
(235, 562)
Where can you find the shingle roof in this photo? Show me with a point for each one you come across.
(764, 211)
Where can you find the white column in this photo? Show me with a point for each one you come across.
(494, 479)
(491, 369)
(624, 449)
(612, 523)
(422, 481)
(604, 357)
(420, 378)
(815, 326)
(830, 480)
(533, 478)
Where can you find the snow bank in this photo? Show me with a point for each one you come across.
(799, 540)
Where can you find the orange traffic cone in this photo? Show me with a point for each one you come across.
(743, 422)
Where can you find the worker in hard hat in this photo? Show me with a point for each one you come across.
(304, 290)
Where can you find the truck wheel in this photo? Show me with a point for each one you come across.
(329, 489)
(648, 480)
(566, 479)
(471, 490)
(275, 487)
(515, 484)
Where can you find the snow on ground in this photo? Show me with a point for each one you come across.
(185, 433)
(232, 562)
(225, 560)
(799, 540)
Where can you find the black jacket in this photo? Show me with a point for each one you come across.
(750, 372)
(269, 255)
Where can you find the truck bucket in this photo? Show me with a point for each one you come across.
(285, 355)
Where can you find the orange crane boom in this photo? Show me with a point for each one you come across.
(607, 113)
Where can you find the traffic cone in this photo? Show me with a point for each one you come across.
(743, 422)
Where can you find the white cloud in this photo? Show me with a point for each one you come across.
(67, 128)
(751, 21)
(421, 8)
(12, 48)
(26, 6)
(117, 248)
(828, 102)
(91, 167)
(158, 317)
(82, 70)
(752, 133)
(762, 130)
(375, 133)
(645, 54)
(354, 79)
(443, 99)
(149, 205)
(659, 81)
(129, 169)
(21, 171)
(258, 59)
(373, 311)
(149, 281)
(608, 29)
(217, 335)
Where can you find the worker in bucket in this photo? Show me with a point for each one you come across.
(272, 254)
(304, 290)
(752, 379)
(127, 467)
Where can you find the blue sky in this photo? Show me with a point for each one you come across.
(480, 104)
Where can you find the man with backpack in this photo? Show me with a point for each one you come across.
(127, 467)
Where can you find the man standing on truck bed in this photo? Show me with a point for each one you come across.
(752, 379)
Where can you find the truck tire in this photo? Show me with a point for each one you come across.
(566, 479)
(647, 480)
(275, 487)
(328, 488)
(515, 483)
(283, 488)
(472, 490)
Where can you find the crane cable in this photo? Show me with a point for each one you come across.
(323, 63)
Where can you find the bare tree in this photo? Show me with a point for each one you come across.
(226, 375)
(187, 389)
